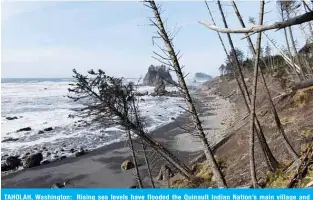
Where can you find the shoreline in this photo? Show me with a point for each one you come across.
(100, 168)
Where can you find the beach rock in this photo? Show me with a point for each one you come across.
(157, 74)
(33, 160)
(4, 167)
(172, 118)
(133, 186)
(11, 118)
(24, 129)
(12, 162)
(59, 185)
(62, 157)
(80, 153)
(41, 132)
(165, 173)
(44, 162)
(62, 149)
(48, 129)
(48, 153)
(72, 150)
(10, 140)
(126, 165)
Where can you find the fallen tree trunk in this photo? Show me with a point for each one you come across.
(259, 28)
(303, 84)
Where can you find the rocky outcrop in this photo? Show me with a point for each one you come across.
(11, 118)
(11, 163)
(48, 129)
(33, 160)
(127, 164)
(24, 129)
(157, 74)
(202, 76)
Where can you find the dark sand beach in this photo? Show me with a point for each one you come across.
(101, 168)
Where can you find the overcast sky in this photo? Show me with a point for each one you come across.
(49, 39)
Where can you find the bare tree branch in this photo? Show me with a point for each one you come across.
(258, 28)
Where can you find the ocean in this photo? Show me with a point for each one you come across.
(43, 103)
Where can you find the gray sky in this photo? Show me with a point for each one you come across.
(49, 39)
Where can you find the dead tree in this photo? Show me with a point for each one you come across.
(255, 29)
(101, 96)
(133, 152)
(255, 82)
(270, 159)
(139, 122)
(172, 59)
(307, 9)
(287, 7)
(276, 117)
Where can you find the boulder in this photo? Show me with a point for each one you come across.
(10, 140)
(41, 132)
(4, 167)
(12, 162)
(156, 74)
(59, 185)
(48, 129)
(80, 153)
(62, 157)
(33, 160)
(11, 118)
(126, 165)
(24, 129)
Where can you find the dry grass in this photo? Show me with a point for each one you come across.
(302, 97)
(308, 132)
(203, 178)
(288, 120)
(278, 179)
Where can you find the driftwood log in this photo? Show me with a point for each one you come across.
(303, 84)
